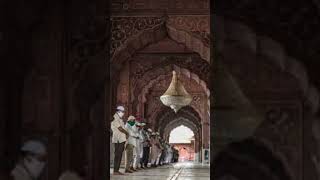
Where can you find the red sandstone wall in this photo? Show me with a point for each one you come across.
(186, 151)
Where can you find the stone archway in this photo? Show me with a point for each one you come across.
(197, 131)
(167, 74)
(150, 80)
(189, 124)
(167, 120)
(132, 34)
(272, 66)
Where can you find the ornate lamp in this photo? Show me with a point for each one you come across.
(176, 95)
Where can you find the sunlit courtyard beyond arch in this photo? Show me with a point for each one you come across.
(181, 134)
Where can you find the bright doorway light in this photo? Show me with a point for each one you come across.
(181, 134)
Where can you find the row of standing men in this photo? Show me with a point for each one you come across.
(139, 141)
(141, 145)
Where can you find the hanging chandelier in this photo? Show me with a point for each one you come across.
(176, 95)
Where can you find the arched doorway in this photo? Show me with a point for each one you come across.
(182, 139)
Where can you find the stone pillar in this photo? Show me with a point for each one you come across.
(205, 138)
(99, 149)
(111, 152)
(123, 89)
(312, 153)
(205, 135)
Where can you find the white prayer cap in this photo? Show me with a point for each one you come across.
(68, 175)
(157, 133)
(141, 124)
(131, 118)
(150, 130)
(120, 108)
(35, 147)
(153, 133)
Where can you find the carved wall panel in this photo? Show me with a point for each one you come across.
(124, 28)
(129, 7)
(283, 127)
(86, 43)
(197, 25)
(132, 33)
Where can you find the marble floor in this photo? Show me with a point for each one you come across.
(178, 171)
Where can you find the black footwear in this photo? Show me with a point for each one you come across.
(117, 173)
(128, 171)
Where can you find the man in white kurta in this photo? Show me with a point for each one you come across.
(139, 145)
(131, 144)
(119, 137)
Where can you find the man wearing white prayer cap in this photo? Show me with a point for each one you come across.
(32, 162)
(119, 138)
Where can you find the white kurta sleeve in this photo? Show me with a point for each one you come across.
(130, 130)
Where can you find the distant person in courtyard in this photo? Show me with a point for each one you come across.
(169, 154)
(154, 149)
(119, 138)
(175, 157)
(131, 144)
(32, 162)
(146, 146)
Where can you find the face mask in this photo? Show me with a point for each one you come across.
(131, 123)
(34, 167)
(120, 113)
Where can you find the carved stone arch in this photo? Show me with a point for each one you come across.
(169, 64)
(273, 53)
(271, 63)
(165, 75)
(178, 122)
(178, 69)
(167, 115)
(167, 120)
(194, 32)
(129, 34)
(166, 130)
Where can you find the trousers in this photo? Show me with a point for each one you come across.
(154, 154)
(129, 155)
(137, 155)
(145, 156)
(118, 150)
